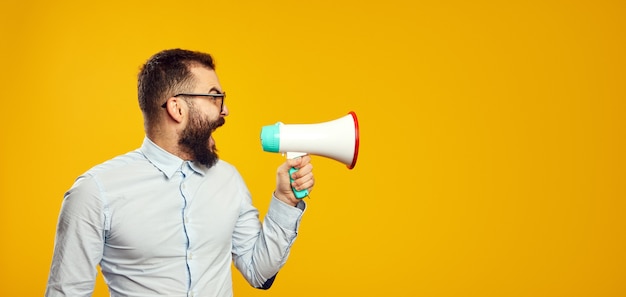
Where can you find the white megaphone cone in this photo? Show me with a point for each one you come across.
(337, 139)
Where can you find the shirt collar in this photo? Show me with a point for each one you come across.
(167, 162)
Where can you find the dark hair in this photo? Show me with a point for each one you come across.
(165, 74)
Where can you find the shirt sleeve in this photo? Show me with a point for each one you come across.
(260, 250)
(79, 241)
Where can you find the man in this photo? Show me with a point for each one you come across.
(169, 218)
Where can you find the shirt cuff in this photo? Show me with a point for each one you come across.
(285, 215)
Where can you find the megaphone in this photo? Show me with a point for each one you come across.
(337, 139)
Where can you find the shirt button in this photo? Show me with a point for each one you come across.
(190, 255)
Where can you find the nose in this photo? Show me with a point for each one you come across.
(224, 110)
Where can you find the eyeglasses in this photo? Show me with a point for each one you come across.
(217, 98)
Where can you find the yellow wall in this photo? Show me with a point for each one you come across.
(492, 133)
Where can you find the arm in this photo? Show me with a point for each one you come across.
(260, 251)
(79, 242)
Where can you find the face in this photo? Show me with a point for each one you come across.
(204, 117)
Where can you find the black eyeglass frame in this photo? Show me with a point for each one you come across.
(215, 96)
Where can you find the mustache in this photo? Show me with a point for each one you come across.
(218, 123)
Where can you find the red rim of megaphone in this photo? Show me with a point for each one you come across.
(356, 140)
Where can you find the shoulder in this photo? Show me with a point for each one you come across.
(111, 170)
(121, 162)
(226, 174)
(223, 165)
(224, 169)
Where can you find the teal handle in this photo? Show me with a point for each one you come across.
(299, 194)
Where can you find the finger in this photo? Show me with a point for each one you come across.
(304, 182)
(303, 171)
(299, 161)
(306, 185)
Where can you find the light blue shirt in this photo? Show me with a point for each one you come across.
(161, 226)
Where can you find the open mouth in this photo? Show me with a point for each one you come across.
(218, 124)
(211, 142)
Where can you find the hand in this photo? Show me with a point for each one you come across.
(303, 179)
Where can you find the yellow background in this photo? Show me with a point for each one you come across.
(492, 133)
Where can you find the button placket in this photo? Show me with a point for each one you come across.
(185, 171)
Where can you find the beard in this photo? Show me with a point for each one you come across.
(195, 139)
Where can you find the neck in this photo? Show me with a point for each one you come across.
(167, 139)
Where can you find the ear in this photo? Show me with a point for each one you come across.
(175, 109)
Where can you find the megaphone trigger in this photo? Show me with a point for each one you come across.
(299, 194)
(292, 155)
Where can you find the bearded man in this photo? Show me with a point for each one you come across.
(169, 218)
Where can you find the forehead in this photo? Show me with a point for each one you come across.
(206, 79)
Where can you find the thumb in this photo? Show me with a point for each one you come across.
(295, 162)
